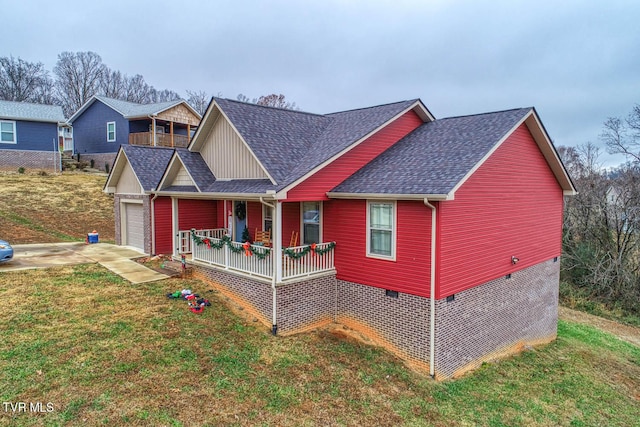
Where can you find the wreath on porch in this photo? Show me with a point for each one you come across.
(241, 211)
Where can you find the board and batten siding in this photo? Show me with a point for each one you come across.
(128, 182)
(511, 206)
(345, 223)
(182, 178)
(227, 156)
(317, 185)
(163, 225)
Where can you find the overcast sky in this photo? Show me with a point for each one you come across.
(577, 62)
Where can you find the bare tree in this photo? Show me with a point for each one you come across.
(602, 228)
(198, 100)
(277, 101)
(78, 78)
(25, 81)
(243, 98)
(113, 84)
(622, 136)
(164, 95)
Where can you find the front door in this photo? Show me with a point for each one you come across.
(239, 219)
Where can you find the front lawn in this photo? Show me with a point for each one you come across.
(99, 350)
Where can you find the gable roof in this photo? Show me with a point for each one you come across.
(31, 112)
(437, 158)
(148, 164)
(289, 143)
(132, 110)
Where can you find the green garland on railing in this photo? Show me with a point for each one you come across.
(310, 248)
(226, 240)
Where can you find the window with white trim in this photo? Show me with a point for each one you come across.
(267, 218)
(8, 132)
(381, 230)
(111, 131)
(311, 222)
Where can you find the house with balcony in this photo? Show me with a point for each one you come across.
(102, 124)
(438, 239)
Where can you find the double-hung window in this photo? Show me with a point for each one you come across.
(111, 132)
(310, 222)
(381, 230)
(8, 132)
(267, 218)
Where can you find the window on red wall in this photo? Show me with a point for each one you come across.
(311, 212)
(381, 230)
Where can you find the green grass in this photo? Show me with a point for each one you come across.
(107, 352)
(579, 299)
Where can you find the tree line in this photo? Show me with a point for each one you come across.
(77, 76)
(601, 235)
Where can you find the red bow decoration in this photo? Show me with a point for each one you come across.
(313, 248)
(247, 249)
(208, 242)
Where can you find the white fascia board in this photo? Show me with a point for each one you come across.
(382, 196)
(418, 104)
(175, 157)
(487, 155)
(216, 196)
(84, 107)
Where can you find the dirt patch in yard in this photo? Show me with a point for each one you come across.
(626, 333)
(54, 208)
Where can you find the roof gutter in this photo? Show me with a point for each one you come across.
(432, 292)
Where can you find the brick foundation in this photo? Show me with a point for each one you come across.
(11, 160)
(484, 323)
(497, 319)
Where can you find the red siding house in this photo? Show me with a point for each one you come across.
(439, 239)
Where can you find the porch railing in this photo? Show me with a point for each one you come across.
(162, 139)
(299, 261)
(233, 256)
(184, 237)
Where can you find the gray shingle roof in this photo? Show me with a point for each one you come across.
(31, 112)
(196, 167)
(435, 157)
(251, 186)
(132, 109)
(148, 163)
(290, 143)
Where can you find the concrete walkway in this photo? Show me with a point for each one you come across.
(118, 259)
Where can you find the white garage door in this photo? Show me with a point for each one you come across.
(133, 234)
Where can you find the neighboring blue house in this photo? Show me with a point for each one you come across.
(30, 135)
(103, 124)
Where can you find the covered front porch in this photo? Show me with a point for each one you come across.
(266, 241)
(214, 247)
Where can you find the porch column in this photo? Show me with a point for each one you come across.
(174, 225)
(153, 127)
(171, 133)
(277, 239)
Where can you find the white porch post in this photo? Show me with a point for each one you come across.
(174, 225)
(277, 240)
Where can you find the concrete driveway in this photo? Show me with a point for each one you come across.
(118, 259)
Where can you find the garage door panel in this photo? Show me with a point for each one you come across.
(134, 231)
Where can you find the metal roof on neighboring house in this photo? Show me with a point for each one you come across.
(31, 112)
(132, 110)
(434, 158)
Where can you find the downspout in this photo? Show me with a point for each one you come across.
(432, 292)
(274, 321)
